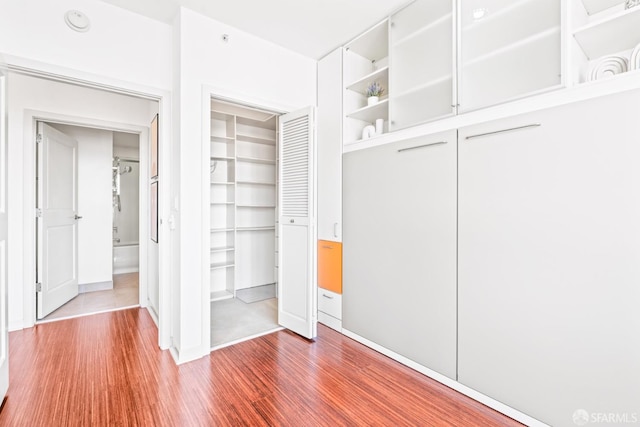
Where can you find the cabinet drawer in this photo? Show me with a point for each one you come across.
(330, 303)
(330, 266)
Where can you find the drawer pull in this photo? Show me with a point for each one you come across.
(327, 247)
(327, 296)
(421, 146)
(534, 125)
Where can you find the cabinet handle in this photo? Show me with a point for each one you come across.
(534, 125)
(421, 146)
(327, 247)
(335, 229)
(327, 296)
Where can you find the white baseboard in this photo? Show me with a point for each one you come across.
(125, 270)
(96, 286)
(330, 321)
(461, 388)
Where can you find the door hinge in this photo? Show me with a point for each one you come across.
(38, 138)
(38, 287)
(38, 213)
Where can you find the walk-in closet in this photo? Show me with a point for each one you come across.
(243, 232)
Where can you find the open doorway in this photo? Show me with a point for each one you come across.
(242, 217)
(88, 191)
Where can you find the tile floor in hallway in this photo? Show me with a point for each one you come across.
(124, 294)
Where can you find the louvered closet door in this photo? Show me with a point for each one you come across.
(296, 296)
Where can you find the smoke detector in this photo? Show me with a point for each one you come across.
(77, 21)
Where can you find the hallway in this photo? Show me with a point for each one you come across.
(106, 369)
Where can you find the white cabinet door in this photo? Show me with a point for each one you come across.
(549, 260)
(329, 150)
(297, 296)
(508, 49)
(400, 248)
(421, 68)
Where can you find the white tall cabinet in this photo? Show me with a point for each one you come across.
(400, 248)
(548, 253)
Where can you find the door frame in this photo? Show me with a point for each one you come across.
(77, 78)
(31, 122)
(209, 92)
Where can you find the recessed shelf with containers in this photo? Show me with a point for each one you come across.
(366, 62)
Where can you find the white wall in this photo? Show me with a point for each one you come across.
(94, 202)
(26, 95)
(248, 69)
(120, 44)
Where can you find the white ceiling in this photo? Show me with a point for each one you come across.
(310, 27)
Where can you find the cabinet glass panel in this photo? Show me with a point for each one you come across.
(421, 63)
(509, 49)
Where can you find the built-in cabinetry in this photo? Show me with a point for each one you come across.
(549, 242)
(242, 197)
(329, 193)
(400, 248)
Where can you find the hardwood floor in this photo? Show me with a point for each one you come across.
(106, 369)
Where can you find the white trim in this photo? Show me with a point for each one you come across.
(455, 385)
(163, 96)
(95, 286)
(250, 337)
(31, 117)
(75, 316)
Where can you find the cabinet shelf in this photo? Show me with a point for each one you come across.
(222, 183)
(615, 33)
(218, 265)
(271, 184)
(512, 47)
(224, 139)
(594, 6)
(255, 139)
(443, 19)
(425, 86)
(222, 203)
(370, 113)
(223, 249)
(256, 228)
(224, 158)
(373, 44)
(381, 76)
(256, 160)
(222, 230)
(220, 295)
(257, 206)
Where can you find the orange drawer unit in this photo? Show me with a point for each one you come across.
(330, 266)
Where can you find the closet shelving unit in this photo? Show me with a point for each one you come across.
(242, 198)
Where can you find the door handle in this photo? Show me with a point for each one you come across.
(335, 229)
(480, 135)
(421, 146)
(326, 247)
(77, 216)
(327, 296)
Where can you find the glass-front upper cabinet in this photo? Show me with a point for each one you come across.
(421, 68)
(509, 49)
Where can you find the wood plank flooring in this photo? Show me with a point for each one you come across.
(106, 369)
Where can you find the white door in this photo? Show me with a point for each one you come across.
(297, 235)
(57, 219)
(4, 335)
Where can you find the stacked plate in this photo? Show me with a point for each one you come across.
(614, 64)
